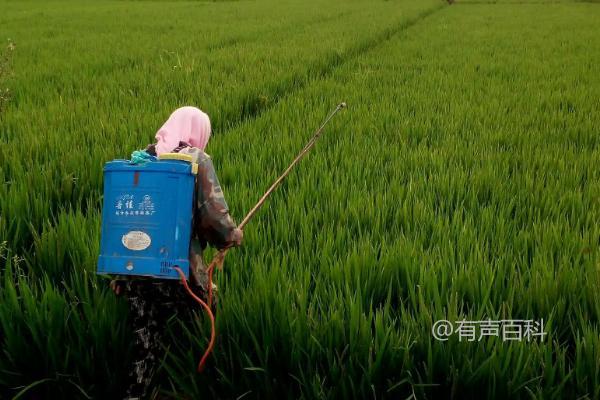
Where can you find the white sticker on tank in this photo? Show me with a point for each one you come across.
(136, 240)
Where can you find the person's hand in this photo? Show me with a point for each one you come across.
(116, 286)
(236, 236)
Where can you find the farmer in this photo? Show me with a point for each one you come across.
(151, 301)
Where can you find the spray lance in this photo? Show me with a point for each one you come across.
(220, 256)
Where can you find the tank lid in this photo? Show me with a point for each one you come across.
(175, 156)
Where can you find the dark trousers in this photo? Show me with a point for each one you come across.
(152, 303)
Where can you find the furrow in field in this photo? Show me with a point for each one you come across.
(275, 30)
(64, 184)
(320, 70)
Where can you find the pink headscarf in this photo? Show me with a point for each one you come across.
(186, 124)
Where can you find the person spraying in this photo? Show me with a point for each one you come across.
(153, 301)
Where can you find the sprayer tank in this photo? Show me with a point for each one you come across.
(147, 217)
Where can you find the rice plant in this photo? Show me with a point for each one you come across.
(5, 58)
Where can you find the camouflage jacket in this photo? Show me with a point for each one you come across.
(212, 224)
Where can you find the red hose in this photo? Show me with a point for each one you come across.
(206, 307)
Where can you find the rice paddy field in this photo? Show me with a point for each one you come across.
(461, 182)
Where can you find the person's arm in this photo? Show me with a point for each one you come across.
(212, 221)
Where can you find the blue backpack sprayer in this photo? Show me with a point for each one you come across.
(147, 220)
(146, 217)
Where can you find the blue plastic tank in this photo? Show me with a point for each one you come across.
(147, 217)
